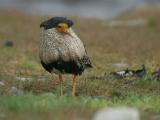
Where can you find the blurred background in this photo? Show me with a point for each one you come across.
(118, 34)
(83, 8)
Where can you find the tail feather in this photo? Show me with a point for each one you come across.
(86, 61)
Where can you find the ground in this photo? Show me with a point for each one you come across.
(106, 45)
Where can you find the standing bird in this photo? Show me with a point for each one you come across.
(61, 51)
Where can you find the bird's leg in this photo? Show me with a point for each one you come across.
(61, 83)
(74, 85)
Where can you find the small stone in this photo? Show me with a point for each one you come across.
(48, 94)
(156, 117)
(119, 113)
(22, 78)
(2, 115)
(15, 91)
(120, 65)
(8, 43)
(42, 79)
(1, 83)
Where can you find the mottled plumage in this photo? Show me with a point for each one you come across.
(61, 53)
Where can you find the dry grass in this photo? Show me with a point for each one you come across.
(106, 46)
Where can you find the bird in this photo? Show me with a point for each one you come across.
(140, 72)
(61, 51)
(123, 73)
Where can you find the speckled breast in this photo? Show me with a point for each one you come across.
(55, 46)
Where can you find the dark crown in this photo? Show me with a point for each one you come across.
(53, 22)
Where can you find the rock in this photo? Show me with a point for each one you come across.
(1, 83)
(48, 94)
(30, 78)
(119, 113)
(156, 117)
(2, 115)
(15, 91)
(41, 78)
(120, 65)
(22, 78)
(8, 43)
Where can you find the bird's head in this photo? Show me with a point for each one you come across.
(60, 23)
(62, 28)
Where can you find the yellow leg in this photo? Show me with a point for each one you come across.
(61, 84)
(74, 85)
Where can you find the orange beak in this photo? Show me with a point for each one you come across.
(62, 28)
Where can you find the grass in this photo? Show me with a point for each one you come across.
(81, 105)
(105, 45)
(41, 98)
